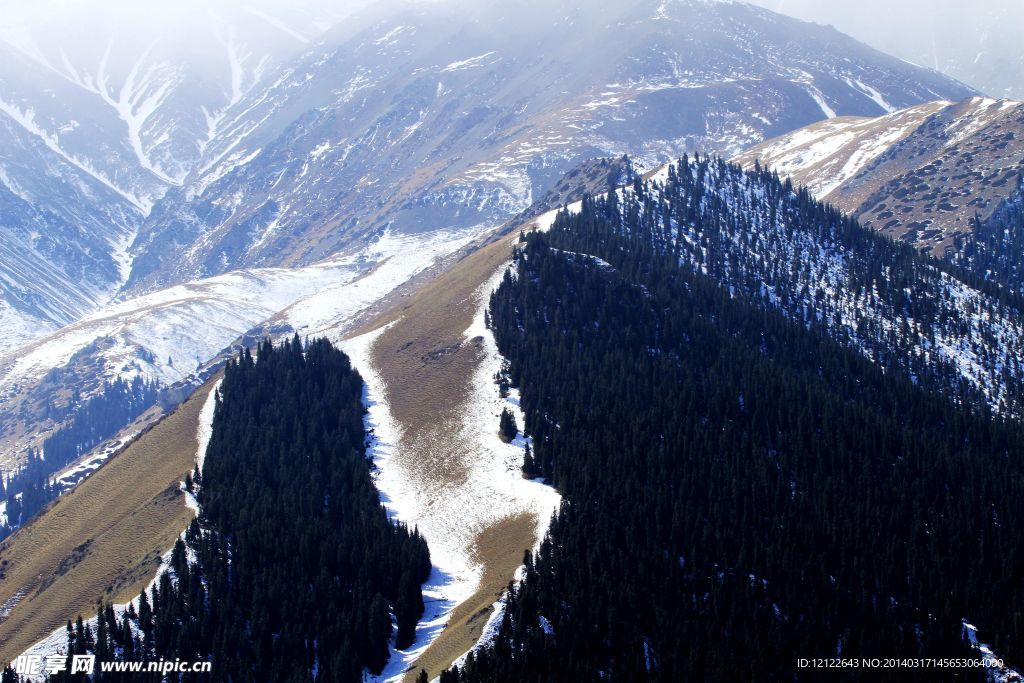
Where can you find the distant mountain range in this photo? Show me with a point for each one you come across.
(93, 133)
(156, 168)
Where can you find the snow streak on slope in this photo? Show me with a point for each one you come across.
(996, 674)
(919, 174)
(836, 150)
(26, 118)
(451, 518)
(205, 432)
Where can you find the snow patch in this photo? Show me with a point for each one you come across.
(479, 60)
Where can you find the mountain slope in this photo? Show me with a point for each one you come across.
(171, 335)
(736, 480)
(760, 238)
(92, 133)
(921, 174)
(431, 117)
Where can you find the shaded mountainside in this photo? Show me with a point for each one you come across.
(433, 117)
(93, 132)
(921, 174)
(735, 480)
(760, 238)
(293, 568)
(994, 249)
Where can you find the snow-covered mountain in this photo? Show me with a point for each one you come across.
(171, 335)
(103, 106)
(401, 122)
(432, 116)
(921, 174)
(974, 42)
(764, 241)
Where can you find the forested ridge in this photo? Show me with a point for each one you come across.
(31, 487)
(100, 417)
(293, 569)
(743, 487)
(761, 238)
(994, 249)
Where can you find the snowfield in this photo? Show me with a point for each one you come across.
(450, 518)
(170, 334)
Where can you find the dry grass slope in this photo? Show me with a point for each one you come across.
(426, 366)
(104, 538)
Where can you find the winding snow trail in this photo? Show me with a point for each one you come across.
(452, 477)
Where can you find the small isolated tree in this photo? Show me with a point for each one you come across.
(507, 428)
(501, 379)
(530, 469)
(422, 678)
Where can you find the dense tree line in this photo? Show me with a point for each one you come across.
(99, 418)
(27, 491)
(741, 489)
(761, 238)
(293, 570)
(994, 249)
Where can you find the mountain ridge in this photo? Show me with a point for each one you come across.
(922, 174)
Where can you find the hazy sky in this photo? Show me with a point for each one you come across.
(978, 41)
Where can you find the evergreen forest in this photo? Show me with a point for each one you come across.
(742, 487)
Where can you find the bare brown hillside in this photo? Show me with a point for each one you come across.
(104, 539)
(919, 174)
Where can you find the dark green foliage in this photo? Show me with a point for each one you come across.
(27, 492)
(507, 427)
(530, 468)
(995, 248)
(741, 489)
(29, 489)
(297, 565)
(765, 241)
(99, 418)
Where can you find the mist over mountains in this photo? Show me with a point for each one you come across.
(169, 155)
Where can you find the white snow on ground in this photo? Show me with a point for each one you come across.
(820, 100)
(827, 154)
(453, 578)
(168, 334)
(332, 294)
(1003, 674)
(871, 93)
(17, 328)
(544, 221)
(205, 431)
(76, 472)
(329, 311)
(26, 118)
(452, 516)
(479, 60)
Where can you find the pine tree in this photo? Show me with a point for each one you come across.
(507, 429)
